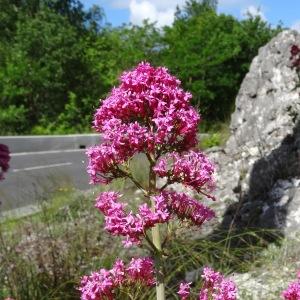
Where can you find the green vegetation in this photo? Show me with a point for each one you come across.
(43, 256)
(217, 135)
(213, 140)
(57, 60)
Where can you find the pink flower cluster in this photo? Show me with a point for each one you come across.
(215, 287)
(103, 163)
(103, 284)
(184, 290)
(134, 226)
(293, 290)
(4, 160)
(187, 208)
(127, 139)
(147, 112)
(191, 168)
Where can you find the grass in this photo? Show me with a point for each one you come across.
(276, 267)
(44, 255)
(60, 198)
(218, 134)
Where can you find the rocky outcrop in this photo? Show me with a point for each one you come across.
(259, 168)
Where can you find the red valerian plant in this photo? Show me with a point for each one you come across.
(4, 160)
(148, 113)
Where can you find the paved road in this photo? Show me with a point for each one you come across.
(43, 164)
(33, 143)
(33, 175)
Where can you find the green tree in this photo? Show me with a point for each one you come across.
(57, 59)
(34, 69)
(194, 8)
(118, 49)
(45, 63)
(211, 54)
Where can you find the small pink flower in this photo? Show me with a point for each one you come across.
(119, 271)
(142, 270)
(102, 164)
(216, 287)
(167, 205)
(184, 290)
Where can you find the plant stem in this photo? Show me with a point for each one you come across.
(129, 175)
(160, 286)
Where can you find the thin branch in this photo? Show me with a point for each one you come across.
(207, 195)
(128, 175)
(151, 244)
(159, 252)
(150, 159)
(168, 236)
(165, 185)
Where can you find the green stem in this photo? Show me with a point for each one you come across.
(160, 286)
(129, 175)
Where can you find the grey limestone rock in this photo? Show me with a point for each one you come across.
(258, 170)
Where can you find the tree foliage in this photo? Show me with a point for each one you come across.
(57, 59)
(211, 53)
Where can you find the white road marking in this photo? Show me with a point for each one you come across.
(47, 152)
(42, 167)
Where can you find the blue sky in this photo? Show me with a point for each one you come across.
(124, 11)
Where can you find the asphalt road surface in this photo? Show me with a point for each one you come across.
(41, 165)
(33, 175)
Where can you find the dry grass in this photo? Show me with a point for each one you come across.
(43, 256)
